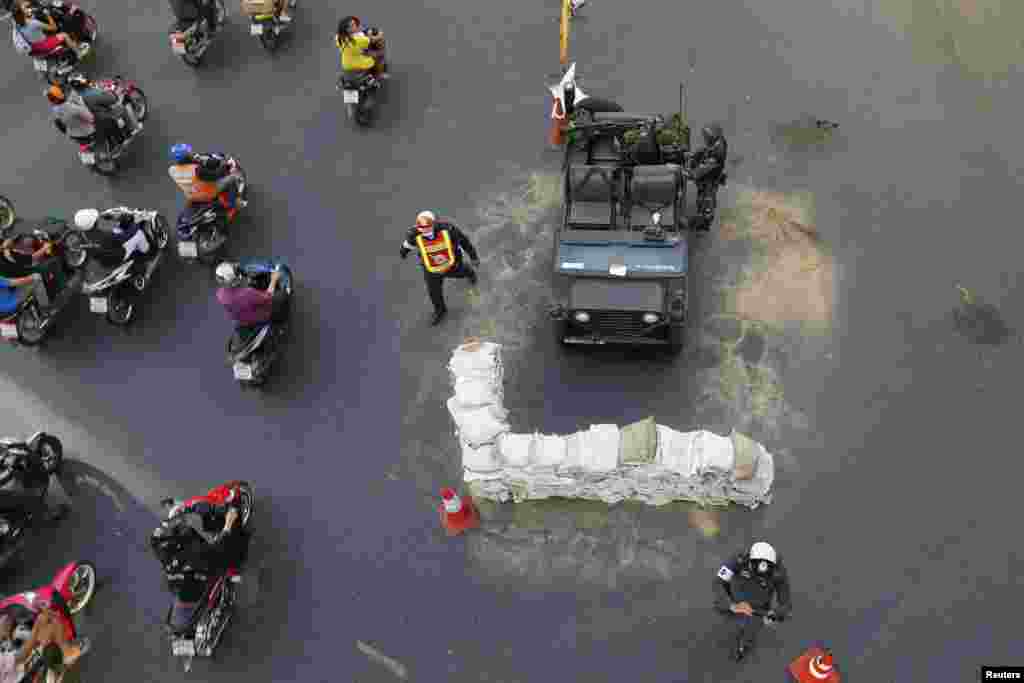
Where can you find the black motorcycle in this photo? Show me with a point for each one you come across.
(25, 466)
(112, 283)
(203, 603)
(359, 88)
(202, 227)
(190, 34)
(252, 351)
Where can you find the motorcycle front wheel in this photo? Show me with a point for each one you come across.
(51, 452)
(7, 214)
(82, 587)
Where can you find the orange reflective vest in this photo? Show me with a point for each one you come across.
(438, 253)
(195, 190)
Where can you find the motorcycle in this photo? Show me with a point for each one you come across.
(359, 88)
(190, 39)
(195, 626)
(25, 321)
(7, 214)
(202, 226)
(113, 283)
(103, 154)
(58, 62)
(252, 351)
(29, 464)
(264, 22)
(70, 591)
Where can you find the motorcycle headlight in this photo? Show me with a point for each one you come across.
(581, 317)
(651, 318)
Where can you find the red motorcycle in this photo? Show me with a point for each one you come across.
(203, 604)
(68, 594)
(103, 154)
(52, 59)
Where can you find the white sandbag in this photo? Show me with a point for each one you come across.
(675, 450)
(476, 360)
(601, 448)
(472, 391)
(481, 459)
(714, 453)
(574, 458)
(480, 425)
(515, 450)
(548, 451)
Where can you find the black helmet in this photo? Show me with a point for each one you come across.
(711, 133)
(345, 25)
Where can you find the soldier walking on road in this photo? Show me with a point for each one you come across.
(441, 245)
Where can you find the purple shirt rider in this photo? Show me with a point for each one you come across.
(246, 306)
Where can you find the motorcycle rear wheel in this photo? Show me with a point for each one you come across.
(366, 109)
(30, 327)
(269, 41)
(108, 166)
(120, 311)
(141, 104)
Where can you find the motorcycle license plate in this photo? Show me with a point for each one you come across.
(40, 64)
(87, 158)
(8, 330)
(188, 250)
(243, 371)
(183, 648)
(351, 96)
(256, 29)
(98, 304)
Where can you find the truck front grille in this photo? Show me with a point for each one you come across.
(619, 323)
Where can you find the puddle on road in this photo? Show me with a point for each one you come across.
(981, 37)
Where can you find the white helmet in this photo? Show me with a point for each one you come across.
(761, 556)
(226, 273)
(425, 218)
(86, 219)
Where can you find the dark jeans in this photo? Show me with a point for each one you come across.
(746, 627)
(435, 283)
(14, 502)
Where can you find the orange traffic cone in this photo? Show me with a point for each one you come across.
(457, 514)
(814, 666)
(559, 125)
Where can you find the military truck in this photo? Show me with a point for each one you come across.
(622, 249)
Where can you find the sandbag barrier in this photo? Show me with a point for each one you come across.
(644, 461)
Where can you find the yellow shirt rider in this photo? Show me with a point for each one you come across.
(440, 245)
(360, 51)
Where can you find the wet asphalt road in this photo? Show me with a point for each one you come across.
(896, 480)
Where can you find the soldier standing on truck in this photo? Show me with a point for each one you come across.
(707, 169)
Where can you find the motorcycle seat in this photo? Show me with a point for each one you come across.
(354, 79)
(183, 614)
(8, 300)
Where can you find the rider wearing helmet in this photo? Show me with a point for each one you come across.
(201, 538)
(748, 583)
(188, 12)
(707, 165)
(246, 305)
(360, 50)
(204, 177)
(124, 232)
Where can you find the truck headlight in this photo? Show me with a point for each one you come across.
(582, 317)
(651, 318)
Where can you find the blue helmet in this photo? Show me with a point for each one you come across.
(180, 152)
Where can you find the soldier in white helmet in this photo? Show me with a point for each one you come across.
(441, 246)
(745, 588)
